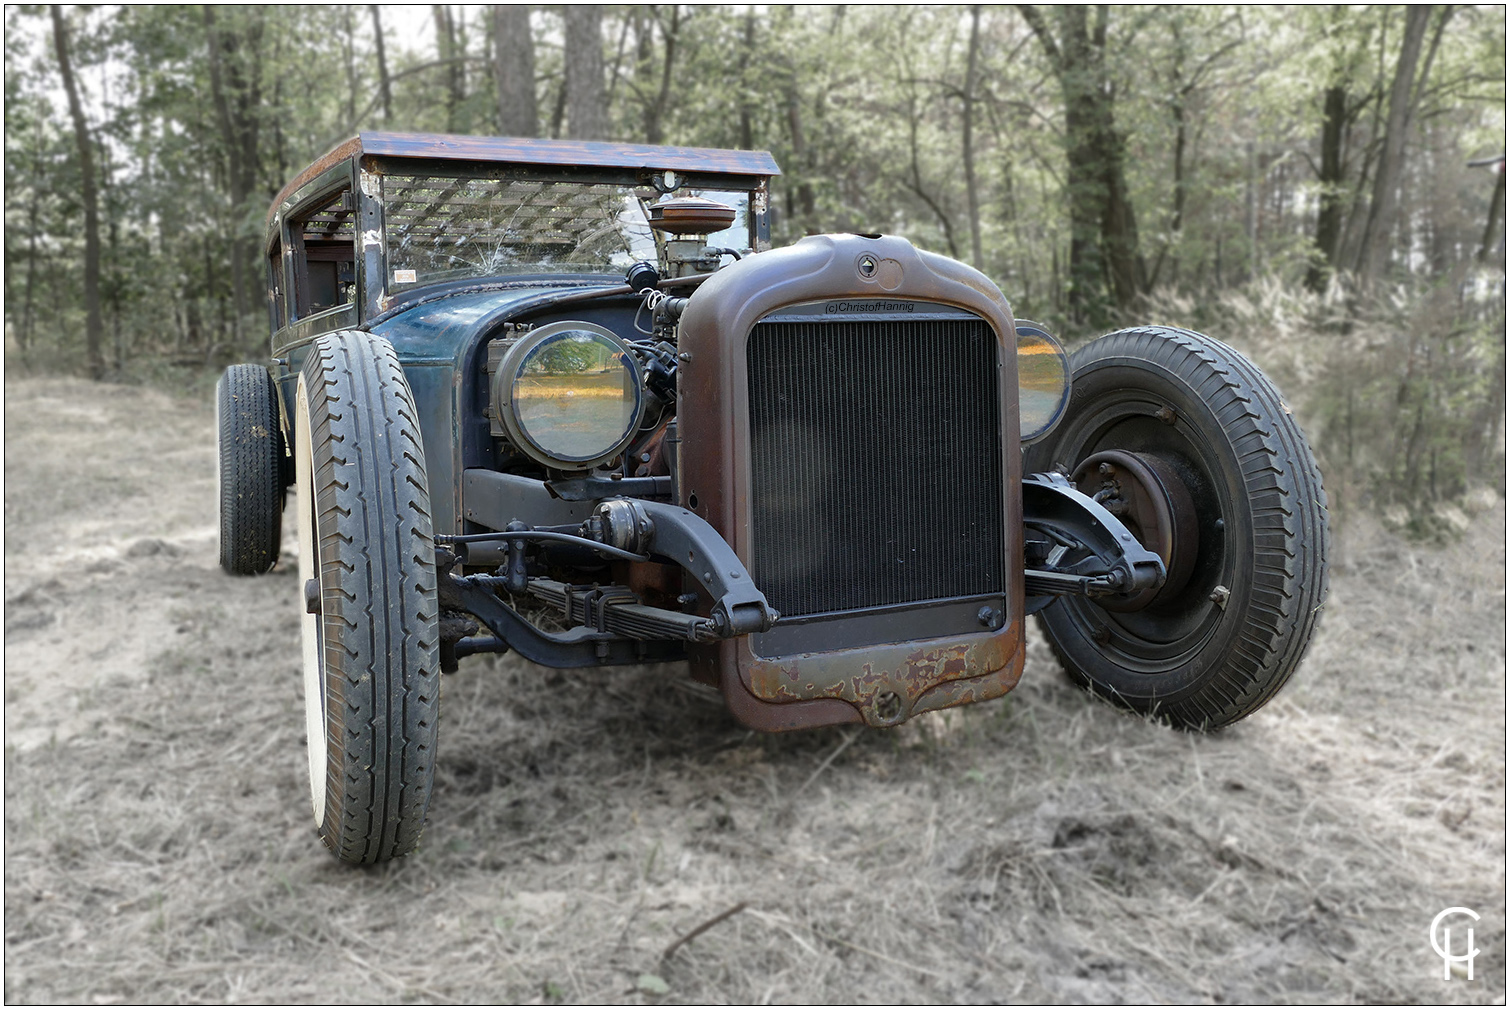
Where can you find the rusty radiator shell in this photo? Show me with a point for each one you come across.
(881, 684)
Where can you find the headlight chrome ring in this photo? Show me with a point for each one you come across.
(570, 395)
(1043, 381)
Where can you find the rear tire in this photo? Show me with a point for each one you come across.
(367, 566)
(250, 444)
(1224, 637)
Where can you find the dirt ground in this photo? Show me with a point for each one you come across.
(159, 845)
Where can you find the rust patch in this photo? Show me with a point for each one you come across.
(875, 679)
(655, 584)
(651, 455)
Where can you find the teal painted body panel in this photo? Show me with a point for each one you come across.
(444, 328)
(437, 342)
(434, 388)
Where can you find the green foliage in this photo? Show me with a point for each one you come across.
(1220, 111)
(1401, 391)
(566, 355)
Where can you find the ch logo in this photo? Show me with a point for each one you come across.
(1445, 947)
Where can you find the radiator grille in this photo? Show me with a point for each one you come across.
(876, 462)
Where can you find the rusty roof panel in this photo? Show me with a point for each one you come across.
(586, 153)
(527, 151)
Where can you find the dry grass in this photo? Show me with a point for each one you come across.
(1040, 849)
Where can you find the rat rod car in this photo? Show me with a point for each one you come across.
(562, 398)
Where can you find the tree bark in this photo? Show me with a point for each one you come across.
(1375, 248)
(1492, 230)
(28, 318)
(1103, 224)
(1251, 221)
(1184, 79)
(1119, 228)
(657, 106)
(916, 182)
(236, 87)
(514, 70)
(1177, 218)
(349, 55)
(23, 334)
(558, 109)
(1181, 187)
(972, 194)
(807, 202)
(111, 281)
(280, 149)
(385, 82)
(94, 325)
(586, 117)
(1083, 185)
(618, 62)
(1334, 124)
(746, 113)
(445, 45)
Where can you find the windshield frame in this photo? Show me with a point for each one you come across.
(445, 228)
(379, 294)
(359, 163)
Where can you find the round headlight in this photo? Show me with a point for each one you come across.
(570, 395)
(1043, 381)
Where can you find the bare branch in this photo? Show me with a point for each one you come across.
(1035, 21)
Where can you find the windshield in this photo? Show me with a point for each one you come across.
(441, 228)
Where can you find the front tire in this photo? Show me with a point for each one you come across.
(1192, 415)
(368, 588)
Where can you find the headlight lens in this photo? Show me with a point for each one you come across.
(1043, 381)
(570, 395)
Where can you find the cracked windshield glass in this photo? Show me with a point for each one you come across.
(441, 229)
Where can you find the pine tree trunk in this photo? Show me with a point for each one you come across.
(807, 202)
(348, 54)
(1103, 224)
(657, 107)
(1374, 251)
(385, 82)
(94, 326)
(236, 89)
(514, 70)
(28, 324)
(1329, 214)
(1492, 229)
(445, 46)
(972, 194)
(746, 113)
(586, 118)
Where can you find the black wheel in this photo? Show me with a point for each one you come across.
(1199, 454)
(367, 572)
(250, 445)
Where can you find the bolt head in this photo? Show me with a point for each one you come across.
(312, 596)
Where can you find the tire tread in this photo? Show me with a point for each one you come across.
(1288, 509)
(250, 450)
(377, 565)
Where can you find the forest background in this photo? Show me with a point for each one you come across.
(1321, 185)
